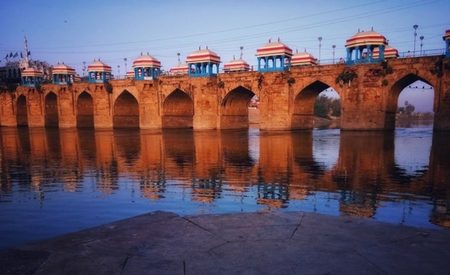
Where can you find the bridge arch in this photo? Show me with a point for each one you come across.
(51, 110)
(394, 93)
(85, 111)
(304, 102)
(126, 111)
(178, 110)
(22, 111)
(234, 113)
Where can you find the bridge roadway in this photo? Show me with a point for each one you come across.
(368, 92)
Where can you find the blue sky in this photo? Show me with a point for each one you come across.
(76, 31)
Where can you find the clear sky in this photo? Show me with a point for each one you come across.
(73, 31)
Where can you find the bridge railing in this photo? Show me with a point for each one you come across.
(431, 52)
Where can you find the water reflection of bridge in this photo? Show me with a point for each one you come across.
(208, 163)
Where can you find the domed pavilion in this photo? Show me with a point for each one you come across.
(146, 67)
(446, 38)
(130, 75)
(389, 52)
(181, 69)
(360, 47)
(203, 63)
(98, 72)
(63, 74)
(303, 59)
(274, 56)
(236, 65)
(31, 77)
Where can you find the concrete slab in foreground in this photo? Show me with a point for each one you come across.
(253, 243)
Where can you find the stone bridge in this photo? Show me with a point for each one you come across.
(368, 93)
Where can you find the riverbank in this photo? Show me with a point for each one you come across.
(250, 243)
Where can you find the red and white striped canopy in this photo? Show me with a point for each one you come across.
(363, 38)
(446, 35)
(274, 48)
(236, 65)
(389, 52)
(177, 70)
(32, 72)
(146, 61)
(98, 66)
(63, 69)
(205, 55)
(303, 58)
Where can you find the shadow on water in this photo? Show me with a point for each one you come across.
(100, 176)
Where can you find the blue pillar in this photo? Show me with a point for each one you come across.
(381, 52)
(447, 48)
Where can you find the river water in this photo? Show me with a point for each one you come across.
(58, 181)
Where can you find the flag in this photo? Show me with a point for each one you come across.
(6, 57)
(10, 54)
(21, 55)
(16, 54)
(28, 53)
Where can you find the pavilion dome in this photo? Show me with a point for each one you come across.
(130, 74)
(63, 69)
(446, 35)
(273, 49)
(201, 56)
(303, 58)
(389, 52)
(236, 65)
(146, 61)
(32, 72)
(362, 38)
(99, 66)
(180, 69)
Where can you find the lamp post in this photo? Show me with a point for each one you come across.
(320, 46)
(125, 61)
(179, 61)
(118, 71)
(421, 44)
(334, 47)
(84, 67)
(415, 37)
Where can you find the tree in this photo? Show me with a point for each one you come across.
(326, 107)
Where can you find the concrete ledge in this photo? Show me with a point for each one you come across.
(250, 243)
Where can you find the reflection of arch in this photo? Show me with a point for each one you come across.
(303, 154)
(412, 157)
(392, 101)
(234, 108)
(235, 147)
(179, 147)
(51, 110)
(303, 114)
(178, 110)
(128, 147)
(21, 112)
(85, 111)
(126, 111)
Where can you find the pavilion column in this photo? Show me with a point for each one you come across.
(381, 52)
